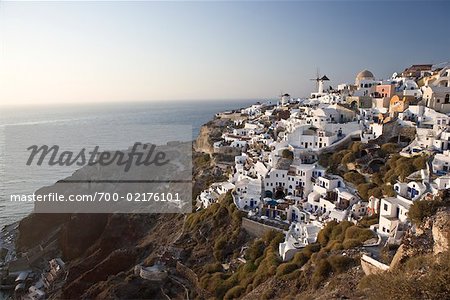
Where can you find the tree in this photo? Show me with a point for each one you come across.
(355, 178)
(286, 153)
(389, 148)
(363, 190)
(355, 147)
(377, 178)
(348, 158)
(403, 170)
(420, 162)
(388, 190)
(376, 192)
(422, 209)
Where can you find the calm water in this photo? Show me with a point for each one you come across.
(17, 124)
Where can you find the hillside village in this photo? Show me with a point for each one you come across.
(301, 163)
(330, 197)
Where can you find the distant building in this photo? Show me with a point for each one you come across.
(399, 104)
(382, 95)
(437, 98)
(417, 71)
(365, 83)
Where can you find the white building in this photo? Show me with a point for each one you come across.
(374, 131)
(365, 83)
(441, 162)
(212, 194)
(329, 199)
(297, 237)
(437, 98)
(394, 210)
(306, 137)
(247, 193)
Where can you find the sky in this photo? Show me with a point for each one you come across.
(87, 52)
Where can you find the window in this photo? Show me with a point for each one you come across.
(447, 99)
(385, 207)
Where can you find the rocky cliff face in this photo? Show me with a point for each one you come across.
(203, 142)
(209, 133)
(441, 231)
(432, 236)
(420, 268)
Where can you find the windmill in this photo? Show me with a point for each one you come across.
(319, 81)
(284, 98)
(317, 78)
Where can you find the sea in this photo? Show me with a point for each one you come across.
(20, 124)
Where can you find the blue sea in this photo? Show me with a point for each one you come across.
(18, 124)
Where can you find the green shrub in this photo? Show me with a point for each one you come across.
(351, 243)
(363, 190)
(348, 158)
(369, 221)
(377, 179)
(355, 147)
(255, 250)
(354, 177)
(338, 232)
(321, 272)
(376, 192)
(300, 259)
(324, 235)
(420, 210)
(341, 263)
(249, 267)
(219, 246)
(324, 159)
(234, 292)
(388, 190)
(337, 246)
(310, 249)
(358, 233)
(287, 154)
(286, 268)
(334, 245)
(420, 162)
(390, 177)
(213, 268)
(389, 148)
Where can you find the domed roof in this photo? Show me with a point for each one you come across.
(364, 74)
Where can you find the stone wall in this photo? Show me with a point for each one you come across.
(257, 229)
(372, 266)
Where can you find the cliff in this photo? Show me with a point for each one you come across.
(420, 268)
(203, 142)
(210, 133)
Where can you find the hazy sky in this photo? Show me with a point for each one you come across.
(122, 51)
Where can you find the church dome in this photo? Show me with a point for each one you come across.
(365, 74)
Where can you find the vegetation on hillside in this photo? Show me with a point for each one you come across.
(421, 277)
(262, 261)
(379, 183)
(420, 210)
